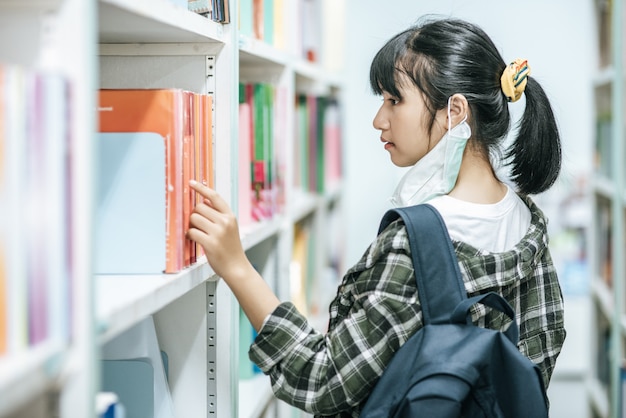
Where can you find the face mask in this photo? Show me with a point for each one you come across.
(436, 173)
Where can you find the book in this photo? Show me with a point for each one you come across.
(268, 21)
(131, 380)
(14, 81)
(258, 22)
(159, 111)
(332, 144)
(188, 169)
(133, 368)
(57, 194)
(34, 220)
(245, 18)
(245, 184)
(131, 205)
(199, 6)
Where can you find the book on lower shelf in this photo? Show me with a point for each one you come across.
(134, 368)
(183, 120)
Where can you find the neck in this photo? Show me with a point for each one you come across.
(477, 182)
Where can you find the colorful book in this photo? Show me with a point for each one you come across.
(158, 111)
(245, 184)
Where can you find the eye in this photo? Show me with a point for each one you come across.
(393, 101)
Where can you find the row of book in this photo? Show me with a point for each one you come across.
(217, 10)
(152, 142)
(35, 197)
(263, 142)
(261, 151)
(318, 143)
(291, 25)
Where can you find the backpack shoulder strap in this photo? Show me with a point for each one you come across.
(439, 281)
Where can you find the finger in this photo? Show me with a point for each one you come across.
(216, 200)
(207, 211)
(201, 223)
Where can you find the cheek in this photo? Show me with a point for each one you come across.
(415, 143)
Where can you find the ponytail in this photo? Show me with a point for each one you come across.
(535, 155)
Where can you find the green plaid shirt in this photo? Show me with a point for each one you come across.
(377, 309)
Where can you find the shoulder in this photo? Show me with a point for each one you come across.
(392, 240)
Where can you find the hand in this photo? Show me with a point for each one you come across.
(214, 226)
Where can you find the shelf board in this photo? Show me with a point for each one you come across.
(124, 300)
(304, 205)
(254, 52)
(254, 396)
(604, 77)
(605, 187)
(26, 375)
(153, 21)
(258, 232)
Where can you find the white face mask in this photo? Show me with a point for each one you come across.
(434, 174)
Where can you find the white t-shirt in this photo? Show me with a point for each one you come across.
(494, 227)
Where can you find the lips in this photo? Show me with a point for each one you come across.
(388, 144)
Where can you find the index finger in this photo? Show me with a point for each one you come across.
(216, 200)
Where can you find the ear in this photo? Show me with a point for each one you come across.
(459, 110)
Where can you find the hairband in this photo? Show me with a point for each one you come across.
(514, 78)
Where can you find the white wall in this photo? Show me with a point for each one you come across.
(557, 38)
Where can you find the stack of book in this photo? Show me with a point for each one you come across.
(152, 142)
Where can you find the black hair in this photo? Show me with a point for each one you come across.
(447, 56)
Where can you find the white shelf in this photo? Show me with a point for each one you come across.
(154, 21)
(123, 301)
(254, 396)
(304, 205)
(25, 375)
(258, 232)
(255, 52)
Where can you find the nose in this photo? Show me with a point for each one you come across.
(380, 121)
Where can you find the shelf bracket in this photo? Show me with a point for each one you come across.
(211, 287)
(210, 74)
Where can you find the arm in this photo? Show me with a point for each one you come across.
(214, 226)
(374, 313)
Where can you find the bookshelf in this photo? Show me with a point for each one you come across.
(158, 44)
(606, 385)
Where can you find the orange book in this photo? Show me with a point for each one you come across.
(187, 171)
(158, 111)
(208, 139)
(198, 173)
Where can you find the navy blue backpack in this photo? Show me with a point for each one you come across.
(450, 367)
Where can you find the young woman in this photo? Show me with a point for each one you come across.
(446, 92)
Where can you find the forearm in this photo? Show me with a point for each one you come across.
(253, 294)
